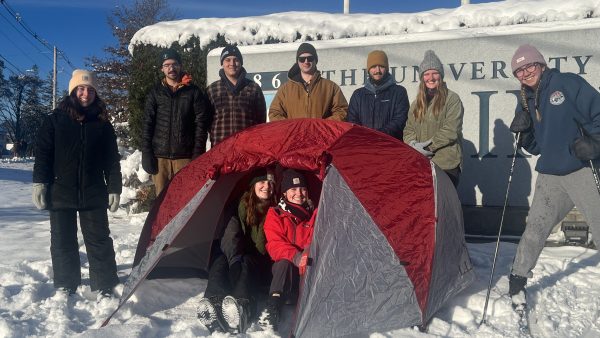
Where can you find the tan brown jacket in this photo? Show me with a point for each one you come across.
(321, 99)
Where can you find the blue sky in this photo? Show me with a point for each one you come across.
(80, 29)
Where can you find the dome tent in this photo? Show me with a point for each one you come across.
(388, 248)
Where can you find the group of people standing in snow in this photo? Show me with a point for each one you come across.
(264, 247)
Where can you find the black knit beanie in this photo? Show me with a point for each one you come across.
(291, 179)
(231, 50)
(307, 48)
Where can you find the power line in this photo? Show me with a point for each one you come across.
(26, 39)
(34, 34)
(18, 71)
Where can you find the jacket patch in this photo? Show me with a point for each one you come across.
(557, 98)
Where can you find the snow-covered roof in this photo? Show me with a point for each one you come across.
(302, 26)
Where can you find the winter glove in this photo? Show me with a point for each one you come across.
(113, 202)
(587, 147)
(521, 123)
(301, 261)
(420, 147)
(39, 195)
(150, 163)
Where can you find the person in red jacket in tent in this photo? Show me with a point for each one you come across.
(289, 230)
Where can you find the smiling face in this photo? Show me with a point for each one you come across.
(307, 63)
(296, 195)
(530, 75)
(232, 66)
(263, 189)
(432, 79)
(85, 95)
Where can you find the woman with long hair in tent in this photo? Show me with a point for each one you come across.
(237, 275)
(289, 230)
(77, 172)
(434, 126)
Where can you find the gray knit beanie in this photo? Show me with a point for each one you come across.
(431, 61)
(525, 55)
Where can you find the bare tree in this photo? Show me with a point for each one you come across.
(22, 105)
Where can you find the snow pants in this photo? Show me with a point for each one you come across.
(286, 280)
(64, 248)
(246, 282)
(553, 198)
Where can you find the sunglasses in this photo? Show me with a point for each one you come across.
(303, 59)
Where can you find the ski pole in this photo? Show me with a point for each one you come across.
(594, 172)
(510, 175)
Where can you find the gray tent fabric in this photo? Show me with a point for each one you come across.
(355, 273)
(180, 246)
(452, 268)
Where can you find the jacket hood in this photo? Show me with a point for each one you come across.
(388, 81)
(294, 74)
(241, 83)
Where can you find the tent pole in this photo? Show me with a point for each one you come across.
(510, 175)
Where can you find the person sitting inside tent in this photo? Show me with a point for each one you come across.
(289, 230)
(242, 269)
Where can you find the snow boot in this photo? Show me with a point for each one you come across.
(269, 319)
(516, 290)
(236, 313)
(209, 313)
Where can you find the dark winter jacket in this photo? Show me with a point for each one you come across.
(79, 161)
(287, 235)
(562, 97)
(176, 123)
(241, 239)
(383, 108)
(234, 108)
(321, 99)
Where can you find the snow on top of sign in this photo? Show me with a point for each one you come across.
(302, 26)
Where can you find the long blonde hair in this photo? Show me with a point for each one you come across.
(438, 101)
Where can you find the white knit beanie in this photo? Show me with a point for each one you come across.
(82, 77)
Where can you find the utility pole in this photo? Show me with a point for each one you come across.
(54, 80)
(346, 6)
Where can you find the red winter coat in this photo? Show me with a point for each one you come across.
(286, 234)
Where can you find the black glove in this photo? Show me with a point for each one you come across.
(521, 123)
(150, 163)
(587, 147)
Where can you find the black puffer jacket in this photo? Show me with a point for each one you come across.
(79, 161)
(175, 123)
(384, 107)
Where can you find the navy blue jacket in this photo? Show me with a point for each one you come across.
(383, 108)
(562, 97)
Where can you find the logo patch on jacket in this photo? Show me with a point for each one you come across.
(557, 98)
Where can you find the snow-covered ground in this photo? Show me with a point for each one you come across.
(565, 288)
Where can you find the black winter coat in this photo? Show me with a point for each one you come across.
(383, 108)
(79, 161)
(176, 123)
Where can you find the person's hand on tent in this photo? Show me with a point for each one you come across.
(422, 147)
(301, 260)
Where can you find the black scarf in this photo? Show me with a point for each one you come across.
(302, 212)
